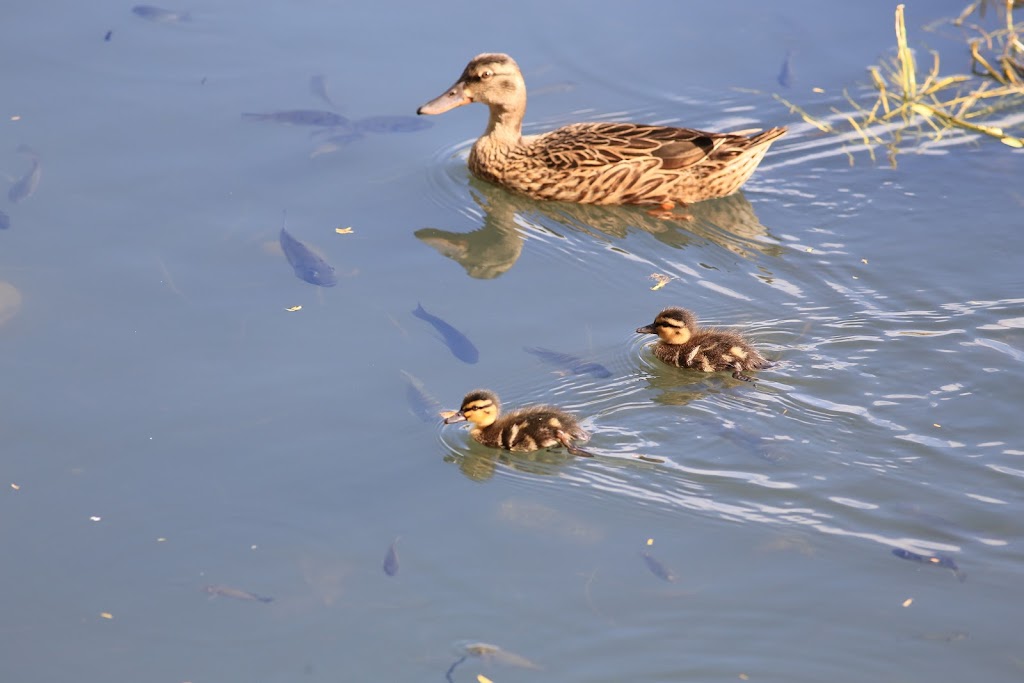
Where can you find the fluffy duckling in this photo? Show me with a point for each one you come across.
(526, 429)
(685, 345)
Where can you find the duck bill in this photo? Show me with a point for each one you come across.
(455, 97)
(452, 419)
(646, 329)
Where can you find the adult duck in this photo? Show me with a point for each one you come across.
(596, 163)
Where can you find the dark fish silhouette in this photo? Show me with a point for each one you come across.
(423, 405)
(5, 221)
(300, 117)
(785, 77)
(391, 559)
(215, 590)
(392, 124)
(657, 568)
(944, 561)
(307, 266)
(457, 342)
(573, 364)
(26, 186)
(160, 15)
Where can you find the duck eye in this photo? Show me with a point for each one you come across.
(486, 74)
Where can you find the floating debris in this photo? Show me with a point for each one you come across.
(344, 231)
(215, 590)
(106, 38)
(307, 265)
(457, 343)
(943, 561)
(301, 117)
(927, 107)
(657, 568)
(573, 364)
(292, 309)
(660, 280)
(423, 405)
(26, 186)
(391, 559)
(160, 15)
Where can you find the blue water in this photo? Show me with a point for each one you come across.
(171, 418)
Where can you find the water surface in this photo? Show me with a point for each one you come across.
(171, 420)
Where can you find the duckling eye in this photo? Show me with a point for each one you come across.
(486, 74)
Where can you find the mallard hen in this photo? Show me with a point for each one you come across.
(596, 163)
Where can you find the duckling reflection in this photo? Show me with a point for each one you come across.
(494, 247)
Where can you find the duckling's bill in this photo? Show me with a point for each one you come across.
(455, 417)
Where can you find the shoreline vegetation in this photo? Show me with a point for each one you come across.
(926, 105)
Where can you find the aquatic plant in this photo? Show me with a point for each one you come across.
(929, 107)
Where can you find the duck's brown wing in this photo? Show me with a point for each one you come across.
(588, 145)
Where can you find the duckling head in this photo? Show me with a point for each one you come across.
(493, 79)
(480, 407)
(673, 326)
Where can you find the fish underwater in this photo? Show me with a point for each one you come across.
(943, 561)
(307, 266)
(300, 117)
(657, 568)
(26, 186)
(318, 86)
(392, 124)
(457, 343)
(390, 565)
(565, 361)
(423, 405)
(160, 15)
(785, 77)
(215, 590)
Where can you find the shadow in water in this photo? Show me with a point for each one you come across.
(479, 463)
(493, 249)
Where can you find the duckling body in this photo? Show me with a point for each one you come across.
(596, 163)
(525, 429)
(685, 345)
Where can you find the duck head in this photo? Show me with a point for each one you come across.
(479, 407)
(493, 79)
(673, 326)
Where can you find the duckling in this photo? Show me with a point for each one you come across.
(596, 163)
(685, 345)
(525, 429)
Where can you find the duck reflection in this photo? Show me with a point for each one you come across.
(479, 464)
(491, 250)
